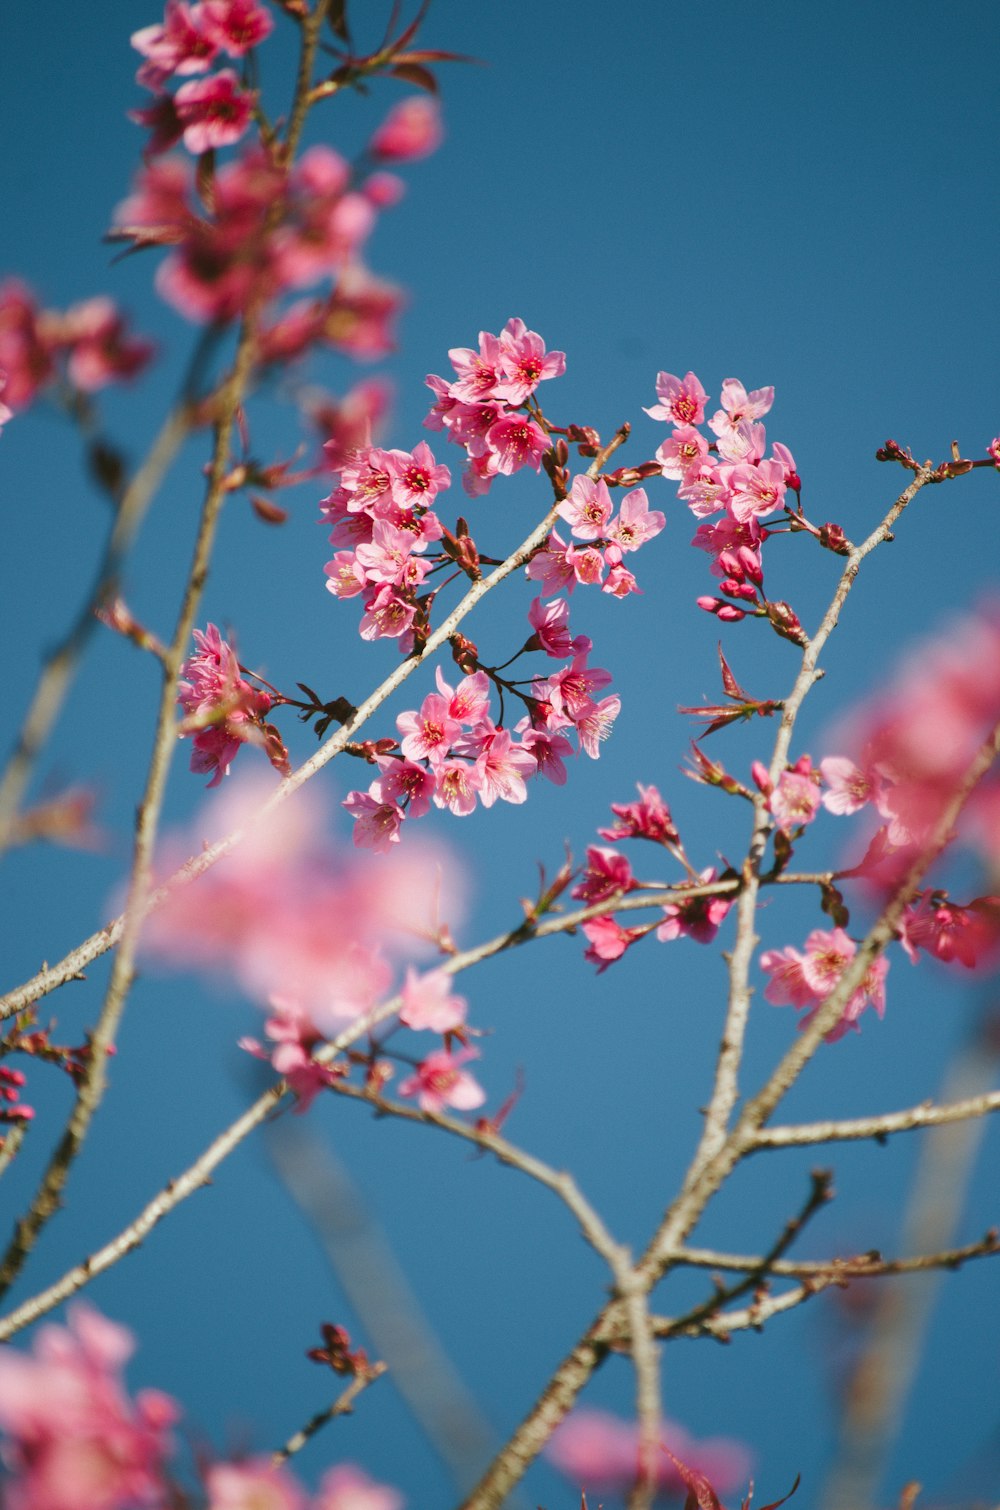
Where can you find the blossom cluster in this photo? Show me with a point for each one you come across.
(268, 232)
(75, 1440)
(485, 409)
(210, 112)
(88, 344)
(454, 755)
(730, 477)
(223, 710)
(312, 936)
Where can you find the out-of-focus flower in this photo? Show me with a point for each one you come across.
(75, 1441)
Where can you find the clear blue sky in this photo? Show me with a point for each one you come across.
(788, 194)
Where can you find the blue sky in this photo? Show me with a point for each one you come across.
(787, 194)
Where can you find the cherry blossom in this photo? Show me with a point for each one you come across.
(214, 112)
(806, 980)
(440, 1082)
(682, 402)
(75, 1441)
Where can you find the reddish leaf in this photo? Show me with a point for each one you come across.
(701, 1495)
(729, 682)
(416, 73)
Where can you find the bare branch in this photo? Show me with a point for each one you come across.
(342, 1406)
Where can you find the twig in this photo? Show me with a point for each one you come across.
(725, 1092)
(12, 1140)
(380, 1295)
(819, 1193)
(839, 1270)
(69, 968)
(56, 675)
(879, 1125)
(342, 1406)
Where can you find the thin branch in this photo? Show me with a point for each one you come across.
(342, 1406)
(49, 978)
(756, 1273)
(840, 1270)
(879, 1125)
(70, 967)
(11, 1144)
(380, 1294)
(558, 1181)
(57, 673)
(91, 1087)
(725, 1093)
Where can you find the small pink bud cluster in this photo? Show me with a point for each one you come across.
(485, 409)
(12, 1082)
(223, 710)
(205, 113)
(89, 343)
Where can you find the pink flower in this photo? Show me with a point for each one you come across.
(404, 782)
(412, 129)
(756, 490)
(182, 44)
(806, 980)
(649, 818)
(237, 25)
(950, 932)
(795, 799)
(517, 442)
(26, 348)
(502, 769)
(608, 941)
(440, 1082)
(698, 918)
(478, 372)
(525, 363)
(416, 479)
(608, 874)
(215, 112)
(595, 724)
(636, 522)
(599, 1452)
(428, 1002)
(387, 615)
(75, 1440)
(851, 788)
(739, 406)
(458, 787)
(376, 821)
(588, 508)
(683, 403)
(550, 622)
(224, 710)
(429, 734)
(349, 1488)
(682, 452)
(256, 1483)
(101, 351)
